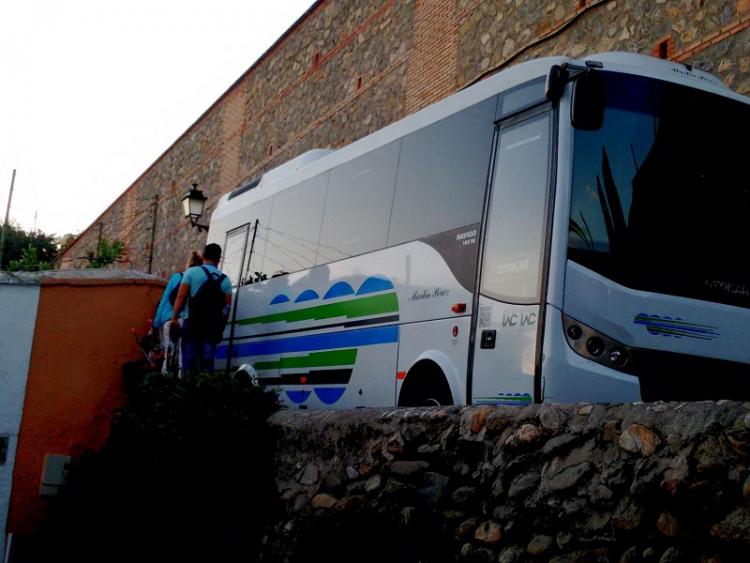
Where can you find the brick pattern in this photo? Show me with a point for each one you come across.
(307, 113)
(664, 48)
(721, 58)
(495, 33)
(232, 124)
(737, 25)
(431, 73)
(350, 68)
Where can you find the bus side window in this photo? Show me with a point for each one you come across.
(234, 249)
(520, 97)
(358, 205)
(442, 174)
(292, 237)
(255, 270)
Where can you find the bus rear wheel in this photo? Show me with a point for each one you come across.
(425, 386)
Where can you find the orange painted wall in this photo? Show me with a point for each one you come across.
(82, 338)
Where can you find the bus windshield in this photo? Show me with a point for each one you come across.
(661, 192)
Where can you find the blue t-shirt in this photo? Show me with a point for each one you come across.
(164, 309)
(194, 278)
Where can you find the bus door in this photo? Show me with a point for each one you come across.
(505, 362)
(232, 264)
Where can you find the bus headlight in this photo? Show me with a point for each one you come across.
(597, 347)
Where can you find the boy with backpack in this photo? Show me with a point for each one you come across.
(207, 292)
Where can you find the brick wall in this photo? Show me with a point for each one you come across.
(432, 63)
(348, 68)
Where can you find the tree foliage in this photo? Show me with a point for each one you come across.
(30, 262)
(186, 475)
(32, 248)
(107, 252)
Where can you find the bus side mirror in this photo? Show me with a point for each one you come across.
(587, 108)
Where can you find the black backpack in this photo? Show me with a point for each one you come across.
(206, 319)
(175, 291)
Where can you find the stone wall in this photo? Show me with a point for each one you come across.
(645, 482)
(348, 68)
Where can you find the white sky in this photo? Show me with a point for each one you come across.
(93, 91)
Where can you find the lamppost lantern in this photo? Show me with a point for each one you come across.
(192, 205)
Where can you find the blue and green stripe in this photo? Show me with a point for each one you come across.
(355, 308)
(676, 327)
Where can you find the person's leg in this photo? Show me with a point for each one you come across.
(178, 346)
(191, 355)
(166, 346)
(209, 355)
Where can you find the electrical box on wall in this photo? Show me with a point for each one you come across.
(54, 471)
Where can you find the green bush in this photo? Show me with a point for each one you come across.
(107, 252)
(30, 262)
(19, 244)
(186, 475)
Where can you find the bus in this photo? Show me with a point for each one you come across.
(562, 231)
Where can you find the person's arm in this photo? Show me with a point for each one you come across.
(164, 308)
(179, 302)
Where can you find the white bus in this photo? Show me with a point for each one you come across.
(565, 230)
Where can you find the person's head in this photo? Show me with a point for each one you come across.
(194, 260)
(212, 253)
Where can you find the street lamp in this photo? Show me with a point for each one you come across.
(192, 205)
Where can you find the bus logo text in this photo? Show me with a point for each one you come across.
(467, 237)
(429, 294)
(519, 319)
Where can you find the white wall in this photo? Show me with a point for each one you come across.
(18, 308)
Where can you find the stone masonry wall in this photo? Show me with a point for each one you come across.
(348, 68)
(645, 482)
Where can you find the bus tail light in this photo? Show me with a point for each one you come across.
(596, 346)
(459, 308)
(455, 331)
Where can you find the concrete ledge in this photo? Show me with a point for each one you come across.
(80, 277)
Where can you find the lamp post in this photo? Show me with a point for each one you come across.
(192, 205)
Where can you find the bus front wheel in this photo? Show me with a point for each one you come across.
(425, 386)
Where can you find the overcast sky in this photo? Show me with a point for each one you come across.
(93, 91)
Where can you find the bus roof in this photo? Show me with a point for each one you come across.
(317, 161)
